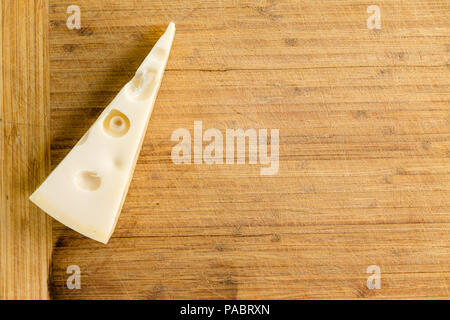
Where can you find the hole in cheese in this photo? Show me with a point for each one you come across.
(87, 180)
(116, 124)
(143, 83)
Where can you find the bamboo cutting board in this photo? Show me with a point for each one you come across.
(364, 124)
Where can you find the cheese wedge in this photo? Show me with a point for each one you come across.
(87, 189)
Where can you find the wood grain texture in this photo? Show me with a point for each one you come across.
(364, 126)
(25, 231)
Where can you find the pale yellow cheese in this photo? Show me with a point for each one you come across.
(87, 189)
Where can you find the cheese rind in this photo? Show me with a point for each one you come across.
(87, 189)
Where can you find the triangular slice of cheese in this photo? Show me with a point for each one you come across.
(87, 189)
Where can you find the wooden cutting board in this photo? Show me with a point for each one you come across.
(364, 173)
(25, 233)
